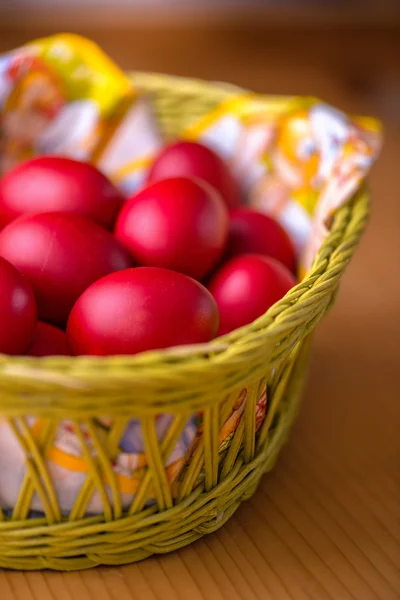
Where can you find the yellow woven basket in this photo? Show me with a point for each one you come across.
(270, 354)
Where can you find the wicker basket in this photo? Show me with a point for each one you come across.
(270, 352)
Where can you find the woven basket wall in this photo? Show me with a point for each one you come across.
(271, 352)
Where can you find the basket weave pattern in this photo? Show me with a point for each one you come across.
(270, 352)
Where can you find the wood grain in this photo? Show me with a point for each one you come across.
(325, 524)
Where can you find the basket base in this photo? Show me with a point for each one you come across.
(92, 542)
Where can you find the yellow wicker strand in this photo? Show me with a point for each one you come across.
(23, 502)
(162, 489)
(26, 492)
(38, 450)
(32, 476)
(94, 476)
(233, 451)
(253, 394)
(114, 436)
(210, 434)
(192, 473)
(197, 460)
(110, 478)
(277, 395)
(274, 380)
(167, 445)
(227, 406)
(78, 509)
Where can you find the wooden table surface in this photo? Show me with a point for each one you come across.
(325, 524)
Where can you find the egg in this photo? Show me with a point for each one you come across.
(252, 232)
(192, 159)
(48, 341)
(58, 184)
(60, 255)
(18, 311)
(177, 223)
(141, 309)
(246, 286)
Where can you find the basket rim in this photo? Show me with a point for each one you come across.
(346, 229)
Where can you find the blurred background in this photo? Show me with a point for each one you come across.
(347, 53)
(256, 42)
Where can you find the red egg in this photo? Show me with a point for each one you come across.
(141, 309)
(48, 341)
(18, 311)
(178, 223)
(246, 286)
(252, 232)
(191, 159)
(58, 184)
(60, 255)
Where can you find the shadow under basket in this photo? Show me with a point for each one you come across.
(269, 356)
